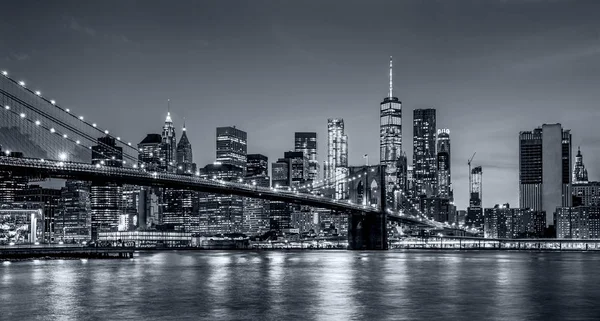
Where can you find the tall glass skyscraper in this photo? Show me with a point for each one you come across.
(443, 164)
(424, 156)
(390, 139)
(307, 143)
(336, 166)
(545, 169)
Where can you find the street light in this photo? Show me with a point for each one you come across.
(62, 156)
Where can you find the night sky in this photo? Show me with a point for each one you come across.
(490, 68)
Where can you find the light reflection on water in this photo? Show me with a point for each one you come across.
(310, 285)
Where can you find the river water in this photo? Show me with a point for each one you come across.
(306, 285)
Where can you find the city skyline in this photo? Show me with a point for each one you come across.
(536, 82)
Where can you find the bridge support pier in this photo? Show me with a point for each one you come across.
(367, 231)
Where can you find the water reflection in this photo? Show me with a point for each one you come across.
(327, 285)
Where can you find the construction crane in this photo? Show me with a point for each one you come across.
(469, 163)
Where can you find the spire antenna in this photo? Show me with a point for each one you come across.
(184, 123)
(391, 77)
(168, 111)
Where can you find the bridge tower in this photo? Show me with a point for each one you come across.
(368, 231)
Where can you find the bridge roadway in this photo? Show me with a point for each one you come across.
(87, 172)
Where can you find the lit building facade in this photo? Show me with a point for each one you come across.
(232, 148)
(256, 211)
(424, 156)
(337, 148)
(586, 194)
(46, 199)
(390, 141)
(580, 174)
(10, 185)
(444, 178)
(150, 153)
(169, 144)
(184, 156)
(73, 221)
(298, 166)
(545, 169)
(474, 216)
(306, 142)
(220, 214)
(504, 222)
(582, 222)
(105, 198)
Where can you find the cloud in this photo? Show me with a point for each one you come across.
(82, 28)
(75, 25)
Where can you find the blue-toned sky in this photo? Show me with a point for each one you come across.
(490, 68)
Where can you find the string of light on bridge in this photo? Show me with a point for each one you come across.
(94, 125)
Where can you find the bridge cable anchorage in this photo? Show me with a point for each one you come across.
(81, 119)
(24, 117)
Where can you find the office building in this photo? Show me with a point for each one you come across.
(424, 156)
(307, 143)
(73, 221)
(232, 148)
(169, 143)
(505, 222)
(150, 153)
(298, 167)
(46, 199)
(582, 222)
(184, 156)
(545, 169)
(256, 211)
(390, 141)
(337, 149)
(444, 178)
(436, 208)
(586, 194)
(220, 214)
(105, 197)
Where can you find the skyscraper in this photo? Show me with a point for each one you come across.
(150, 153)
(185, 162)
(169, 142)
(424, 157)
(220, 213)
(444, 181)
(232, 148)
(475, 210)
(180, 212)
(307, 143)
(336, 166)
(105, 197)
(580, 174)
(390, 139)
(299, 167)
(73, 221)
(545, 169)
(256, 211)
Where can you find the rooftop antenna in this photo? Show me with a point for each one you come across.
(168, 111)
(391, 77)
(184, 123)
